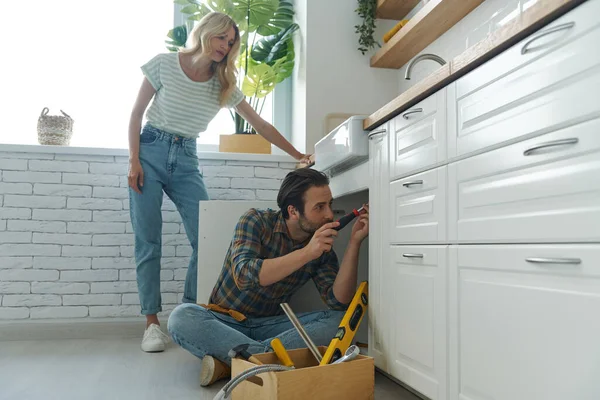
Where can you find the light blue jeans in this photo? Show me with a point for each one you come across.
(203, 332)
(170, 164)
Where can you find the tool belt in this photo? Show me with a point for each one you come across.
(238, 316)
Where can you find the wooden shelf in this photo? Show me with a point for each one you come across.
(431, 22)
(395, 9)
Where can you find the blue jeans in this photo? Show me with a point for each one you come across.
(170, 164)
(203, 332)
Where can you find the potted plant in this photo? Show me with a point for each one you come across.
(266, 55)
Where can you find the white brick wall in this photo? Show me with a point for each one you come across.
(66, 241)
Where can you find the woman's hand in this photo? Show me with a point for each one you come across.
(305, 159)
(136, 175)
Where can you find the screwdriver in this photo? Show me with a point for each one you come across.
(348, 217)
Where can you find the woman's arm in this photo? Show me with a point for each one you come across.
(269, 132)
(136, 174)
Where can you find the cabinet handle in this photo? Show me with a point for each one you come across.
(542, 260)
(416, 110)
(412, 183)
(376, 133)
(561, 142)
(541, 34)
(412, 255)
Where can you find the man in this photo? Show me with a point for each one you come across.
(271, 256)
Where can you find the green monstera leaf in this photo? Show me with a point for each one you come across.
(283, 17)
(273, 47)
(178, 36)
(285, 66)
(260, 80)
(251, 14)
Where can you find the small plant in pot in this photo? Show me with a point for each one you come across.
(266, 52)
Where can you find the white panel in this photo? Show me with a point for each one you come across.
(417, 287)
(553, 194)
(522, 330)
(417, 208)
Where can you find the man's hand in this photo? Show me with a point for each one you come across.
(360, 230)
(321, 241)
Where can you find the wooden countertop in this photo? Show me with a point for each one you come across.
(540, 14)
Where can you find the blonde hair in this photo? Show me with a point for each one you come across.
(211, 25)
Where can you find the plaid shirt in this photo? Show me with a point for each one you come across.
(260, 235)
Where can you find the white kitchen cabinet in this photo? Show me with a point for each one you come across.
(521, 93)
(524, 322)
(546, 189)
(418, 208)
(378, 314)
(418, 140)
(416, 283)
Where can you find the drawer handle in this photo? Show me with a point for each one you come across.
(554, 143)
(542, 260)
(541, 34)
(415, 111)
(376, 133)
(412, 183)
(412, 255)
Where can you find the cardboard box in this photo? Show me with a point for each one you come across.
(349, 380)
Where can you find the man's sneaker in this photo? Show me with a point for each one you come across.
(154, 339)
(213, 370)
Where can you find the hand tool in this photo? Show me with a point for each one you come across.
(309, 343)
(281, 352)
(225, 392)
(351, 353)
(348, 326)
(347, 218)
(241, 350)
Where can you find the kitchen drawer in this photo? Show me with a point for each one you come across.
(545, 189)
(418, 140)
(418, 208)
(533, 324)
(516, 96)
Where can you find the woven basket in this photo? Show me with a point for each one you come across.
(54, 129)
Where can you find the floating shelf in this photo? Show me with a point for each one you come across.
(431, 22)
(395, 9)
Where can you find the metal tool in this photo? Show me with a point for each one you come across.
(241, 350)
(294, 320)
(351, 353)
(348, 325)
(281, 352)
(347, 218)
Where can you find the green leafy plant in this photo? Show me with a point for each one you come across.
(267, 49)
(366, 10)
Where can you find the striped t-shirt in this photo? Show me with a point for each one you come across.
(181, 106)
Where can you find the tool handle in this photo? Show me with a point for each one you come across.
(282, 354)
(346, 219)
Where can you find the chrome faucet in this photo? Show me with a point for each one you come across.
(415, 60)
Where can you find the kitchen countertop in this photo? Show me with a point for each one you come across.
(534, 18)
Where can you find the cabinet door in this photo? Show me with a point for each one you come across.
(378, 189)
(546, 81)
(524, 322)
(417, 295)
(544, 189)
(418, 208)
(418, 141)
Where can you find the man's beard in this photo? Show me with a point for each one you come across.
(310, 227)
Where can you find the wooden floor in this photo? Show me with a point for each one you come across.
(113, 369)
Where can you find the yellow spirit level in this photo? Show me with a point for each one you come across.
(349, 325)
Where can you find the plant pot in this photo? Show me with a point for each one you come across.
(244, 143)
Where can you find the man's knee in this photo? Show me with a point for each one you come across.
(185, 319)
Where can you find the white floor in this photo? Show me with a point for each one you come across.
(113, 369)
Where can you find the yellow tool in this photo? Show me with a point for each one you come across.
(349, 325)
(394, 30)
(281, 352)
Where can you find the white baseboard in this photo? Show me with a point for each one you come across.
(85, 328)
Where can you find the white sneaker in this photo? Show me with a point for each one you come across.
(154, 339)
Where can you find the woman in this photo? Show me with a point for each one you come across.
(189, 88)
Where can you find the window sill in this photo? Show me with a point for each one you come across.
(202, 155)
